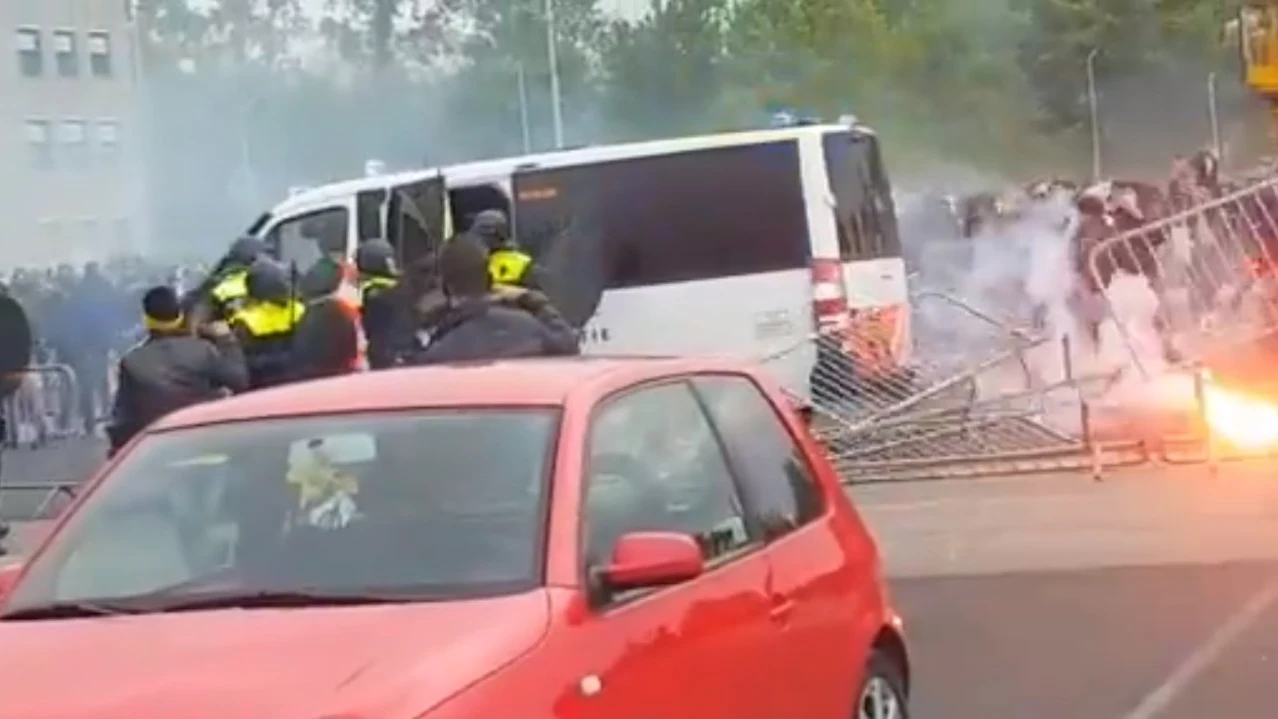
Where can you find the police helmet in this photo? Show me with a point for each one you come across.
(492, 227)
(246, 250)
(268, 280)
(376, 257)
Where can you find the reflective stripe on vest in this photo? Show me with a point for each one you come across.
(375, 283)
(233, 287)
(267, 318)
(508, 267)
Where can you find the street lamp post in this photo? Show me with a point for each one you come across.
(1213, 116)
(1094, 112)
(552, 60)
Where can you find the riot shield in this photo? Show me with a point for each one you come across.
(15, 345)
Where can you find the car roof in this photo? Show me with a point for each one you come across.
(518, 383)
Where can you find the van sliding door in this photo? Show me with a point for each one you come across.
(417, 219)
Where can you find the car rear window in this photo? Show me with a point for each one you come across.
(433, 504)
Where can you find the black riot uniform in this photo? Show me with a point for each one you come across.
(384, 309)
(266, 323)
(171, 368)
(480, 325)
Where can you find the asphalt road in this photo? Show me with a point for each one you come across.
(1150, 596)
(62, 461)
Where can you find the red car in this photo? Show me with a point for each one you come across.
(590, 538)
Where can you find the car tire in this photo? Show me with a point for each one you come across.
(882, 692)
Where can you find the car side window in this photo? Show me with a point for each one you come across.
(654, 464)
(780, 489)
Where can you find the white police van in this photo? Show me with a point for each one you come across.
(731, 244)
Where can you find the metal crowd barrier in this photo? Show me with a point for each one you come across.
(45, 407)
(1019, 406)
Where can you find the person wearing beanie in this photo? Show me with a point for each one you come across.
(172, 368)
(480, 324)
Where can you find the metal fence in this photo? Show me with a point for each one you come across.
(1018, 407)
(986, 394)
(45, 407)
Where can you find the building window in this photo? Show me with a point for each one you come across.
(100, 53)
(30, 52)
(108, 139)
(64, 53)
(39, 144)
(71, 138)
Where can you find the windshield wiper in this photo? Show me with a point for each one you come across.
(65, 610)
(266, 599)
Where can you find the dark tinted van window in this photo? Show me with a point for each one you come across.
(682, 217)
(863, 197)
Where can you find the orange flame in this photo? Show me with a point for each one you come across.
(1240, 419)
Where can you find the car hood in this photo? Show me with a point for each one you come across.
(309, 663)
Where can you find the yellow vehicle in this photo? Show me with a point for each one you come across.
(1258, 40)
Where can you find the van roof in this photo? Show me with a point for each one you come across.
(484, 171)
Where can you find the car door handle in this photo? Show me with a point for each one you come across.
(782, 608)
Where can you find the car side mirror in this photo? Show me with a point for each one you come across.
(652, 559)
(8, 577)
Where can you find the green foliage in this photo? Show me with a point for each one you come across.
(258, 93)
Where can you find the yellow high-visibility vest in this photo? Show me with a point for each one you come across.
(508, 267)
(232, 287)
(264, 319)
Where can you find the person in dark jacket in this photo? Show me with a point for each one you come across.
(172, 368)
(326, 342)
(479, 324)
(384, 311)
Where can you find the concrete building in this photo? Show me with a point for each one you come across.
(71, 180)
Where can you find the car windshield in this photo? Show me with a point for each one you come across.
(418, 506)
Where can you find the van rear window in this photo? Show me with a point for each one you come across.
(689, 216)
(863, 199)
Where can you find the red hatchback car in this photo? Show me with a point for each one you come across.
(592, 538)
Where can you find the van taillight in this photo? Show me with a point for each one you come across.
(829, 299)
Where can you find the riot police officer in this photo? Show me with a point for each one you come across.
(508, 266)
(266, 323)
(384, 311)
(224, 292)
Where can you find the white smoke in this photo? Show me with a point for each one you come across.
(1023, 272)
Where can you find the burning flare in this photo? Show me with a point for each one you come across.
(1244, 421)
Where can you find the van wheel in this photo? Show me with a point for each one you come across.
(882, 693)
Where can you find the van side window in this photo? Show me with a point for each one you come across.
(781, 491)
(687, 216)
(655, 465)
(304, 239)
(368, 218)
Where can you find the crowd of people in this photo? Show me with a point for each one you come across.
(252, 323)
(81, 317)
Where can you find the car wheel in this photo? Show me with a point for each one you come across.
(882, 692)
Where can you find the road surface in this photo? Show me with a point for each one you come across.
(1150, 596)
(62, 461)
